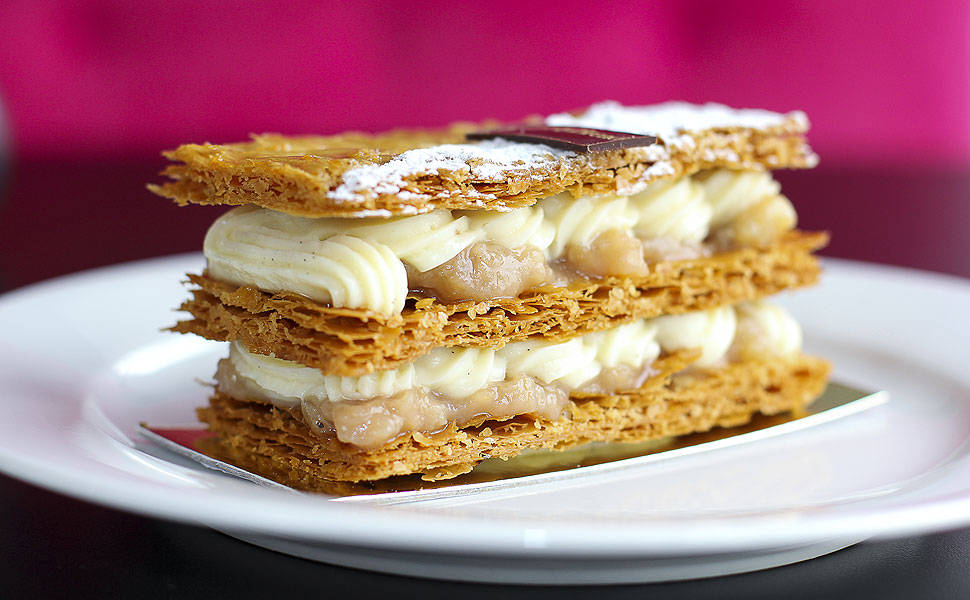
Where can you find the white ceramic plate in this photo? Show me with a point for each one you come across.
(83, 361)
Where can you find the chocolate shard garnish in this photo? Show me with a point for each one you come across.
(577, 139)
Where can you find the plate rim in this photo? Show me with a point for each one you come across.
(508, 537)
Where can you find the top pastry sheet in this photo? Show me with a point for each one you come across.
(406, 172)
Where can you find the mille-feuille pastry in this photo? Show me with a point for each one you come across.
(415, 302)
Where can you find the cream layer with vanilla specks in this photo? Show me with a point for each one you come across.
(456, 255)
(536, 378)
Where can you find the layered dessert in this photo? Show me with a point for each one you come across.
(419, 301)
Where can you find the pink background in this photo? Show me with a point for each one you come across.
(95, 90)
(883, 82)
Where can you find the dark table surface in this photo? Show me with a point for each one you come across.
(56, 218)
(56, 547)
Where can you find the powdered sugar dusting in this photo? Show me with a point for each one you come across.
(486, 162)
(661, 168)
(670, 120)
(491, 161)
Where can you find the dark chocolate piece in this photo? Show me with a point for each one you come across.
(577, 139)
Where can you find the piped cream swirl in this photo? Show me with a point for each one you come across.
(516, 228)
(568, 363)
(759, 329)
(765, 330)
(288, 380)
(672, 209)
(361, 263)
(457, 372)
(278, 252)
(729, 193)
(578, 221)
(633, 344)
(710, 330)
(423, 241)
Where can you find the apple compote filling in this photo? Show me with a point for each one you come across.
(612, 252)
(764, 331)
(372, 423)
(483, 271)
(618, 378)
(748, 208)
(375, 263)
(468, 386)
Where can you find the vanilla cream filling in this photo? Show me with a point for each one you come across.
(676, 209)
(712, 331)
(466, 386)
(361, 263)
(764, 329)
(747, 330)
(457, 372)
(729, 193)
